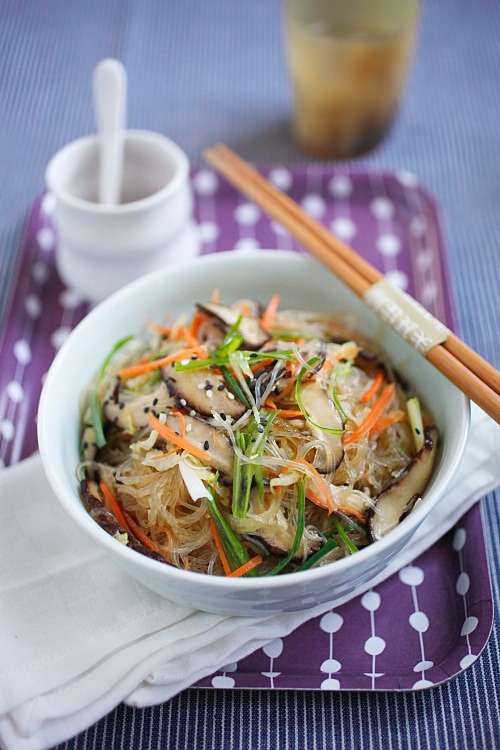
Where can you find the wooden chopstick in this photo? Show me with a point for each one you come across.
(478, 379)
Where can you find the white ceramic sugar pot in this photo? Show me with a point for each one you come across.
(123, 200)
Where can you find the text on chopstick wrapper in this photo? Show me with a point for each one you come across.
(406, 316)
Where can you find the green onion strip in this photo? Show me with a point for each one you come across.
(322, 552)
(95, 403)
(235, 552)
(341, 532)
(298, 534)
(416, 422)
(248, 462)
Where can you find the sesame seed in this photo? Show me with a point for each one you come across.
(221, 387)
(121, 405)
(223, 416)
(201, 386)
(192, 413)
(209, 394)
(146, 409)
(185, 362)
(206, 445)
(183, 402)
(230, 395)
(155, 401)
(260, 429)
(189, 427)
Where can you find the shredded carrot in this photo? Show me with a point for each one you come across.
(316, 499)
(289, 386)
(262, 363)
(188, 336)
(245, 308)
(220, 549)
(246, 567)
(199, 317)
(270, 312)
(373, 415)
(215, 296)
(141, 535)
(286, 413)
(182, 421)
(373, 389)
(290, 413)
(164, 455)
(387, 419)
(115, 506)
(140, 367)
(279, 489)
(327, 365)
(350, 512)
(160, 329)
(320, 483)
(186, 563)
(176, 439)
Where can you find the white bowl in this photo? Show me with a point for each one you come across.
(302, 283)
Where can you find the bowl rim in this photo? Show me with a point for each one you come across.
(218, 584)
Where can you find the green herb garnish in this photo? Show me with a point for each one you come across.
(95, 403)
(319, 554)
(301, 502)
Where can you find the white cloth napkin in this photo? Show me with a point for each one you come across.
(78, 635)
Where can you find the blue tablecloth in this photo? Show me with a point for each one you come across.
(202, 71)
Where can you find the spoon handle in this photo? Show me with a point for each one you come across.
(110, 91)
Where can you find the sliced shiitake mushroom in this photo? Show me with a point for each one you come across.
(88, 443)
(207, 438)
(397, 500)
(122, 408)
(202, 390)
(254, 336)
(322, 411)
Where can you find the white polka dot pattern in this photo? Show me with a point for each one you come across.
(401, 635)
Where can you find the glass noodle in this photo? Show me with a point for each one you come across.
(246, 441)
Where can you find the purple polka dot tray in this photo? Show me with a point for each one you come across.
(420, 627)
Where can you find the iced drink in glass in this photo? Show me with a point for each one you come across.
(348, 63)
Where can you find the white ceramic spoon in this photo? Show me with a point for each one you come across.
(110, 94)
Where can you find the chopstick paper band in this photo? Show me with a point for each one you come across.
(406, 316)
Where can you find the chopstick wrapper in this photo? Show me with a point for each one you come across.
(78, 635)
